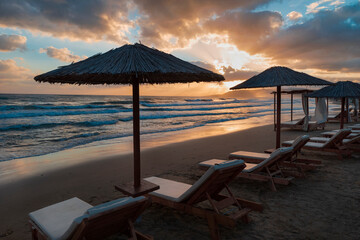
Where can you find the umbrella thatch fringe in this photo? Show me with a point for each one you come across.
(125, 64)
(280, 76)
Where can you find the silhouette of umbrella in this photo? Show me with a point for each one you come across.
(277, 77)
(131, 64)
(342, 90)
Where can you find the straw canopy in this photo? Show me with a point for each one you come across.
(280, 76)
(125, 64)
(345, 89)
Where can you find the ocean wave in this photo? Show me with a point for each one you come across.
(174, 104)
(56, 107)
(19, 127)
(199, 100)
(59, 113)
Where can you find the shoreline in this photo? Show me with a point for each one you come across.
(93, 182)
(21, 168)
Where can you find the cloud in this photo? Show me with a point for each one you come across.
(83, 19)
(62, 54)
(228, 72)
(166, 23)
(293, 16)
(322, 5)
(10, 71)
(12, 42)
(328, 41)
(246, 29)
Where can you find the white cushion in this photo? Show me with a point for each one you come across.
(170, 190)
(56, 219)
(315, 144)
(249, 155)
(111, 206)
(211, 162)
(299, 139)
(250, 167)
(178, 192)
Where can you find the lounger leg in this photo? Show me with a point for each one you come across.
(34, 233)
(271, 180)
(133, 235)
(213, 227)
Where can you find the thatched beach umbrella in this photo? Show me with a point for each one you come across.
(277, 77)
(131, 64)
(342, 90)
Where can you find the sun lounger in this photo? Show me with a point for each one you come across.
(354, 133)
(185, 197)
(336, 117)
(352, 143)
(294, 162)
(76, 219)
(295, 124)
(268, 170)
(333, 144)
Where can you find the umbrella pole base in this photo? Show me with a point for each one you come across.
(130, 190)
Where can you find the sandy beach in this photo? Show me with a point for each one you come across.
(324, 205)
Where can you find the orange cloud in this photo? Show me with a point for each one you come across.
(10, 71)
(293, 16)
(62, 54)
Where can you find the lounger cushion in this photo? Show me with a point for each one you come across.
(280, 151)
(170, 190)
(211, 162)
(111, 206)
(319, 139)
(291, 123)
(315, 144)
(178, 192)
(56, 219)
(249, 155)
(300, 139)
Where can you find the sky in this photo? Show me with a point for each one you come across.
(236, 38)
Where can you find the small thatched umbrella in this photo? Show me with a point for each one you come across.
(277, 77)
(131, 64)
(346, 89)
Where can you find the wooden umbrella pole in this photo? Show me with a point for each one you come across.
(274, 112)
(136, 131)
(347, 110)
(342, 113)
(278, 115)
(292, 98)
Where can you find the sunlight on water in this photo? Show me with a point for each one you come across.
(34, 125)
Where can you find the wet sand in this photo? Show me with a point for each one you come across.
(324, 205)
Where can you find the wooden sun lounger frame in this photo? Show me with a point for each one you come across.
(272, 172)
(210, 190)
(335, 146)
(119, 221)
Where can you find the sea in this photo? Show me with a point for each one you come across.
(35, 125)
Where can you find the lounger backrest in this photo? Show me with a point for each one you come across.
(354, 140)
(212, 182)
(278, 155)
(337, 138)
(299, 142)
(109, 218)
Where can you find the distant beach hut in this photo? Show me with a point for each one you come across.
(340, 90)
(131, 64)
(278, 77)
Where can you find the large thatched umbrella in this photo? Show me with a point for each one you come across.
(277, 77)
(131, 64)
(342, 90)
